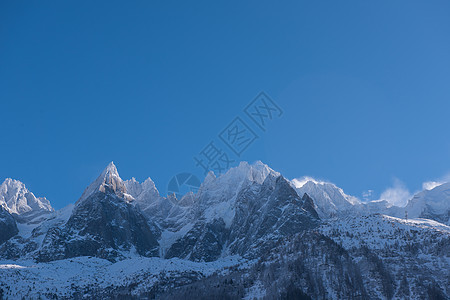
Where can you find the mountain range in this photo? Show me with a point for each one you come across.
(247, 234)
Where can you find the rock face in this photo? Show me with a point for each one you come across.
(103, 224)
(263, 209)
(314, 268)
(204, 242)
(22, 203)
(267, 212)
(8, 226)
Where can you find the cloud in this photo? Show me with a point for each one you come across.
(397, 195)
(429, 185)
(300, 182)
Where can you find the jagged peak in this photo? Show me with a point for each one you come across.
(109, 179)
(257, 171)
(260, 171)
(210, 177)
(141, 190)
(17, 199)
(234, 177)
(9, 183)
(187, 200)
(226, 186)
(148, 183)
(110, 170)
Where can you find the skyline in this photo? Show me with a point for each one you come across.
(398, 194)
(363, 90)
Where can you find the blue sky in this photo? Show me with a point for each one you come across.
(363, 85)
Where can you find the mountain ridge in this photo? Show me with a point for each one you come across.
(251, 226)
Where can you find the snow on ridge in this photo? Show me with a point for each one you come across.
(420, 223)
(11, 266)
(329, 199)
(136, 188)
(301, 181)
(256, 172)
(378, 230)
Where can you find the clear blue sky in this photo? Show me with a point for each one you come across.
(364, 87)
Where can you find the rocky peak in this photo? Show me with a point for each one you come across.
(142, 191)
(103, 223)
(18, 200)
(108, 181)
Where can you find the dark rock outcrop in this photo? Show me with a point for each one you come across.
(103, 225)
(8, 226)
(268, 212)
(263, 214)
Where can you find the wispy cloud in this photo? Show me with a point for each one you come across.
(429, 185)
(299, 182)
(397, 195)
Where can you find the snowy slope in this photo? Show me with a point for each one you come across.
(378, 231)
(92, 277)
(216, 196)
(433, 204)
(329, 199)
(411, 257)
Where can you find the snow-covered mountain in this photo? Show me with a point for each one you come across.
(241, 212)
(398, 258)
(19, 201)
(329, 200)
(109, 180)
(248, 233)
(431, 204)
(103, 223)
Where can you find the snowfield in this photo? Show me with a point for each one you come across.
(63, 278)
